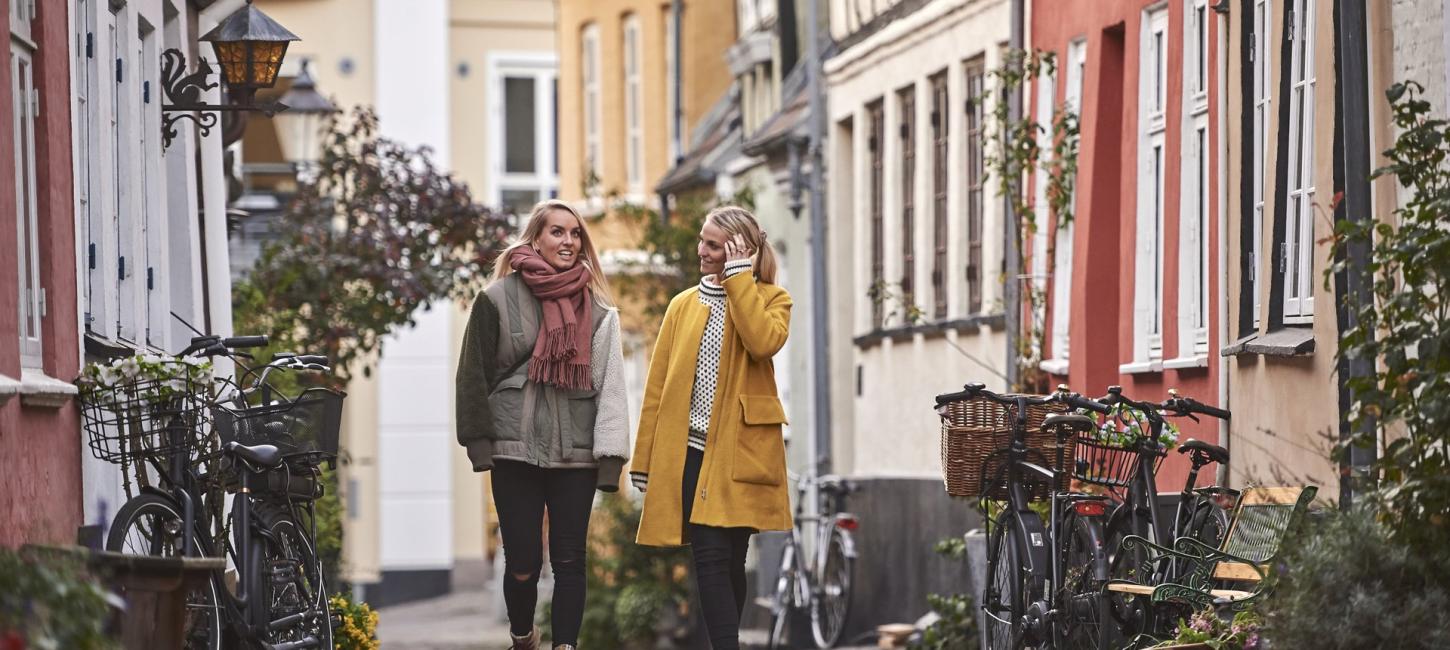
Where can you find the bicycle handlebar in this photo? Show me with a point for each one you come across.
(1174, 405)
(1188, 405)
(1062, 395)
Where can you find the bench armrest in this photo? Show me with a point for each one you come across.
(1195, 547)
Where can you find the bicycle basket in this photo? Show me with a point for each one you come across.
(975, 429)
(1107, 463)
(307, 423)
(139, 418)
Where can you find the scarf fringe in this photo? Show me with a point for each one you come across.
(570, 376)
(561, 344)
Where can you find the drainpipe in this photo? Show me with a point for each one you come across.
(1013, 288)
(677, 9)
(1224, 430)
(820, 447)
(1354, 102)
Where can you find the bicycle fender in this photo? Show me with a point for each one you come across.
(1098, 540)
(848, 542)
(170, 498)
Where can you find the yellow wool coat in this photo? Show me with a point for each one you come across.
(743, 477)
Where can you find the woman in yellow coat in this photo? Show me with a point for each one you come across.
(709, 455)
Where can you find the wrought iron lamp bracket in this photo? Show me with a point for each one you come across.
(183, 93)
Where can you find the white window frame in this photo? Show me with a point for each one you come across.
(153, 281)
(1152, 160)
(633, 46)
(25, 102)
(593, 109)
(543, 69)
(1046, 86)
(1060, 348)
(675, 148)
(1296, 256)
(1193, 204)
(86, 159)
(1263, 56)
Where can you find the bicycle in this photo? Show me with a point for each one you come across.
(821, 586)
(1044, 580)
(1200, 513)
(268, 455)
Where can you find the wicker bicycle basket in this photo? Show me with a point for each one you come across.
(975, 434)
(1107, 463)
(140, 419)
(307, 423)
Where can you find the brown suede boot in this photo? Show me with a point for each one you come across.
(529, 642)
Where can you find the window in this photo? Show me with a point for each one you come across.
(1193, 224)
(633, 108)
(1074, 65)
(939, 133)
(907, 103)
(1046, 97)
(25, 105)
(1296, 258)
(1262, 56)
(878, 252)
(589, 56)
(1152, 159)
(975, 72)
(525, 98)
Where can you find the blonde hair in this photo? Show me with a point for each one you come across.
(735, 220)
(597, 282)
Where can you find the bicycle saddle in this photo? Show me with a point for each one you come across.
(268, 456)
(1214, 452)
(832, 484)
(1070, 420)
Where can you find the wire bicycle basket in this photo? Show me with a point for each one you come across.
(144, 408)
(1109, 455)
(976, 430)
(307, 423)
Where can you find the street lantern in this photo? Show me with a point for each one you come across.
(249, 47)
(299, 128)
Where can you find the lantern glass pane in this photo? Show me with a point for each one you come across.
(266, 61)
(232, 57)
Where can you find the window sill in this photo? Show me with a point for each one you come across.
(9, 388)
(968, 325)
(39, 390)
(1140, 367)
(1197, 361)
(1285, 342)
(1054, 366)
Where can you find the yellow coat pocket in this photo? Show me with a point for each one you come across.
(760, 450)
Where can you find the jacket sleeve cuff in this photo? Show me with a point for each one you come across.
(640, 481)
(737, 267)
(610, 468)
(480, 453)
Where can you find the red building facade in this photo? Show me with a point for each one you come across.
(40, 451)
(1133, 299)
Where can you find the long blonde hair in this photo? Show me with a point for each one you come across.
(597, 282)
(735, 220)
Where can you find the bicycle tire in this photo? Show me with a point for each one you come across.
(279, 590)
(1085, 624)
(831, 603)
(1209, 524)
(204, 619)
(1003, 597)
(784, 598)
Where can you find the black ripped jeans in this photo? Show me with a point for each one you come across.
(719, 564)
(521, 494)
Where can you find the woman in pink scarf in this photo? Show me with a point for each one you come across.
(541, 404)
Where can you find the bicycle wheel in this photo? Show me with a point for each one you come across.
(784, 598)
(832, 600)
(1209, 524)
(1081, 596)
(151, 524)
(289, 599)
(1005, 593)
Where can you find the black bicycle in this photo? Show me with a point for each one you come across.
(1201, 512)
(1044, 580)
(150, 414)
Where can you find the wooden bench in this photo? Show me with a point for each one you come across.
(1232, 576)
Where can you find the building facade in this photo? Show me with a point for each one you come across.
(915, 251)
(1130, 298)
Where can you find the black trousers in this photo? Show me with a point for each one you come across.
(521, 494)
(719, 555)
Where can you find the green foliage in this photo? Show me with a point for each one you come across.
(957, 627)
(1240, 633)
(381, 232)
(328, 511)
(359, 629)
(1349, 582)
(1403, 333)
(1015, 154)
(673, 262)
(905, 308)
(635, 592)
(51, 602)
